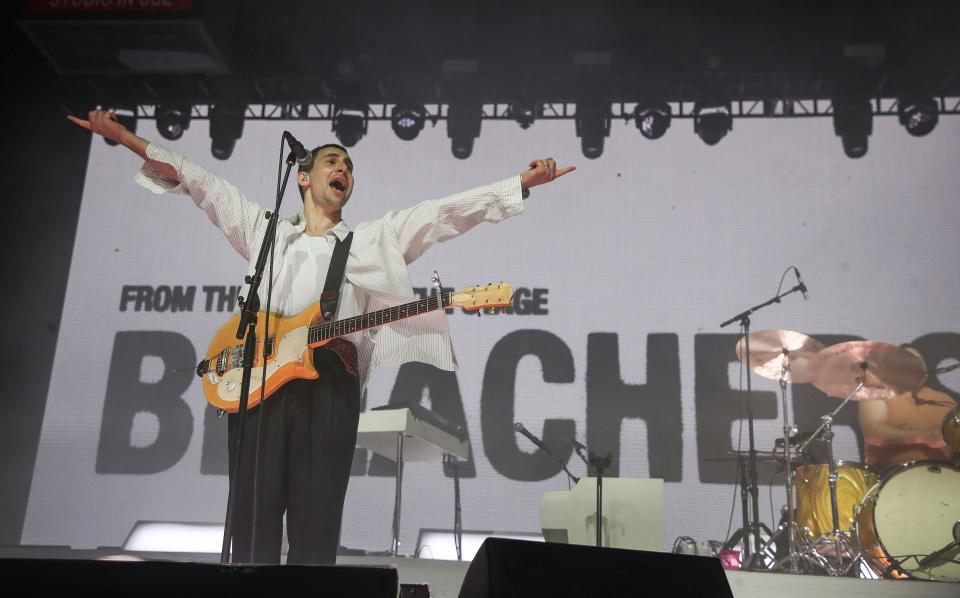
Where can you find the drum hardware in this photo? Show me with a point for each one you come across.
(792, 533)
(783, 355)
(937, 555)
(840, 539)
(951, 432)
(945, 369)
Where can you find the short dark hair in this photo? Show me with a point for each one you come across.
(313, 158)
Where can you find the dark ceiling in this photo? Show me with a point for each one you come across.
(496, 51)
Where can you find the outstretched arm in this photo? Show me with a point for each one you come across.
(106, 124)
(433, 221)
(166, 170)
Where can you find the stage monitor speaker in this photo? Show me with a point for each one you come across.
(154, 578)
(513, 568)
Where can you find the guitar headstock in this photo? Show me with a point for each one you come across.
(497, 294)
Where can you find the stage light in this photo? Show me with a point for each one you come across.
(918, 115)
(350, 123)
(226, 126)
(712, 121)
(853, 123)
(593, 126)
(126, 117)
(174, 536)
(524, 113)
(173, 120)
(463, 126)
(407, 120)
(653, 120)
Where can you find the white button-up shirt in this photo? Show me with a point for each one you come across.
(376, 275)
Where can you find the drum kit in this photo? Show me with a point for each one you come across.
(844, 518)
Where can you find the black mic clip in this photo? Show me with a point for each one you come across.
(800, 285)
(298, 153)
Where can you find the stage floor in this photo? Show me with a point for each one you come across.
(446, 577)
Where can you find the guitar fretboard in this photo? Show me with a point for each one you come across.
(327, 330)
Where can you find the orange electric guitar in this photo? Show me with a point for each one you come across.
(289, 348)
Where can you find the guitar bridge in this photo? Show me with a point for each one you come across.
(203, 367)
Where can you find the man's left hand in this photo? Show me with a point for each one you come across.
(543, 171)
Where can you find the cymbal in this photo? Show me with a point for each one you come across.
(886, 370)
(769, 349)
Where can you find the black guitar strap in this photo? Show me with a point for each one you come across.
(331, 288)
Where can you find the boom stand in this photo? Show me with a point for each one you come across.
(754, 525)
(247, 327)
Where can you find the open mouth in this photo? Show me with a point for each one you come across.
(339, 185)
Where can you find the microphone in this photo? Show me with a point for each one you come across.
(519, 428)
(297, 151)
(581, 450)
(803, 287)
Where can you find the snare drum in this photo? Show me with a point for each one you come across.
(813, 495)
(912, 513)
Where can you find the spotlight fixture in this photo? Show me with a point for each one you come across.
(918, 115)
(653, 120)
(593, 126)
(407, 120)
(226, 126)
(173, 120)
(524, 113)
(853, 123)
(350, 123)
(127, 117)
(712, 121)
(463, 126)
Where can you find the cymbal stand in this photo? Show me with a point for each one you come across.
(840, 539)
(788, 430)
(797, 545)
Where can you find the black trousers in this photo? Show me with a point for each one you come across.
(307, 440)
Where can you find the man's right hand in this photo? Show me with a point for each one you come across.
(104, 123)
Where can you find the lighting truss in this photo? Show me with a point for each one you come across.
(784, 108)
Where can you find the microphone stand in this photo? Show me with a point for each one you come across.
(247, 328)
(753, 490)
(599, 464)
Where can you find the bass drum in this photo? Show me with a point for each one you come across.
(912, 513)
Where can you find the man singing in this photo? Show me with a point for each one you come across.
(309, 427)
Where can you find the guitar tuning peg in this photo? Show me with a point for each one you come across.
(490, 311)
(478, 313)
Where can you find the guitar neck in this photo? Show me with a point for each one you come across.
(325, 331)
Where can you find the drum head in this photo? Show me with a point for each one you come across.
(916, 509)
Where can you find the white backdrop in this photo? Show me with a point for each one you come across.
(670, 236)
